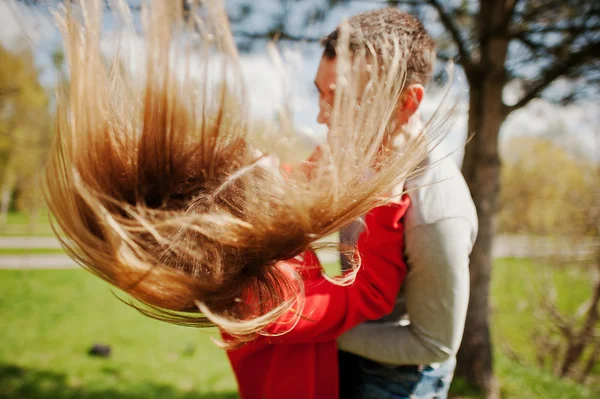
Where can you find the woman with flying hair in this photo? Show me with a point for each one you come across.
(155, 187)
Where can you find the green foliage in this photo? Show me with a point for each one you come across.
(544, 191)
(24, 126)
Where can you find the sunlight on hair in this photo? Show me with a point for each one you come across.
(156, 187)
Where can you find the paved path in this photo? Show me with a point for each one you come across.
(50, 242)
(504, 246)
(62, 261)
(520, 246)
(36, 261)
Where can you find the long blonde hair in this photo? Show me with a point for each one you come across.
(156, 189)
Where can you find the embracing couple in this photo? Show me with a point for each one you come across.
(178, 210)
(421, 242)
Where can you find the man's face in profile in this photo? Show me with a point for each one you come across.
(325, 83)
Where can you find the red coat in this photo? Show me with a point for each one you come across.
(302, 364)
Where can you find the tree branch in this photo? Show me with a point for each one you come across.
(533, 13)
(511, 11)
(557, 70)
(448, 22)
(592, 314)
(533, 46)
(572, 29)
(275, 35)
(390, 2)
(587, 369)
(444, 57)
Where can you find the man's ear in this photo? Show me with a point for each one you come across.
(409, 102)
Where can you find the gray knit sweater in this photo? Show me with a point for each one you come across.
(427, 324)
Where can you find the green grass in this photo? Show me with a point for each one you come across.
(50, 318)
(524, 382)
(519, 288)
(519, 382)
(30, 251)
(20, 224)
(517, 291)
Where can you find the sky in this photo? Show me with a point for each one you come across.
(576, 127)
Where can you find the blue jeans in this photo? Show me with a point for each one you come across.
(380, 382)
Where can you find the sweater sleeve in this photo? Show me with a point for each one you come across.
(332, 309)
(436, 295)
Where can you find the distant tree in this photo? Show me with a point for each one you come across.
(24, 124)
(545, 191)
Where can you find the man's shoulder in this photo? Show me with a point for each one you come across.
(439, 193)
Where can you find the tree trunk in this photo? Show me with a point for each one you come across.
(481, 168)
(6, 192)
(4, 204)
(5, 198)
(591, 363)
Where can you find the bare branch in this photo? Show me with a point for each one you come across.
(275, 35)
(572, 29)
(563, 324)
(533, 13)
(557, 70)
(390, 2)
(278, 34)
(511, 10)
(592, 314)
(591, 363)
(444, 57)
(533, 46)
(448, 22)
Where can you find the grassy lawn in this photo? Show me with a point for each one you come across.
(30, 251)
(18, 224)
(50, 318)
(522, 382)
(518, 289)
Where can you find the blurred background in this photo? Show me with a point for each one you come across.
(528, 82)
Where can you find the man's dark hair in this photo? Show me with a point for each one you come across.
(380, 26)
